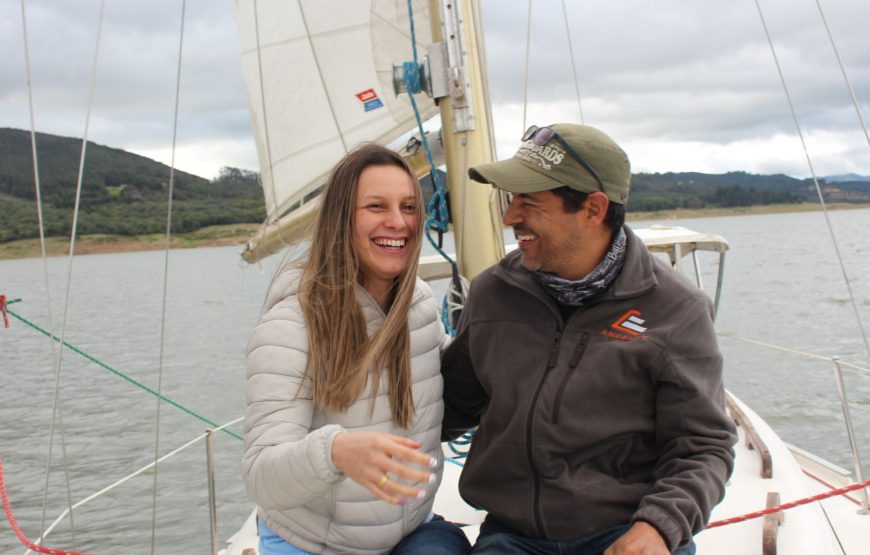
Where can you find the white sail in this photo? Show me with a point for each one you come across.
(319, 82)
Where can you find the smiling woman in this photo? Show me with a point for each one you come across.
(385, 230)
(344, 385)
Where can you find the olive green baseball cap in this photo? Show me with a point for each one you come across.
(543, 162)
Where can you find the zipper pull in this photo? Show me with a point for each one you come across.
(578, 352)
(554, 352)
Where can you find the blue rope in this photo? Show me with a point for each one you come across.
(461, 445)
(438, 216)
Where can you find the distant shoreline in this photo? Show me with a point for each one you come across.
(212, 236)
(685, 213)
(238, 234)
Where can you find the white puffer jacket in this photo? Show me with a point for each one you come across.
(287, 463)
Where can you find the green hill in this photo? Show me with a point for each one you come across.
(665, 191)
(122, 193)
(126, 194)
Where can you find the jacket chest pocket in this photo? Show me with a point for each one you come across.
(597, 378)
(573, 362)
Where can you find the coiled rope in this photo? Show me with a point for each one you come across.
(17, 529)
(114, 371)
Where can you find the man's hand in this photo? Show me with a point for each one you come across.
(641, 539)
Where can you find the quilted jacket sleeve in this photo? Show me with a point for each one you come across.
(285, 464)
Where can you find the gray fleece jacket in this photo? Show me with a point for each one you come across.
(613, 416)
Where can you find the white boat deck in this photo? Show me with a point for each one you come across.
(804, 530)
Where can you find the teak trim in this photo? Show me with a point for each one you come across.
(753, 440)
(772, 522)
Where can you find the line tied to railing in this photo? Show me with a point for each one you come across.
(118, 373)
(3, 311)
(790, 505)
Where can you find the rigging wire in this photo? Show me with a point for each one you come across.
(526, 69)
(166, 278)
(818, 187)
(36, 182)
(480, 44)
(573, 63)
(843, 71)
(57, 412)
(41, 222)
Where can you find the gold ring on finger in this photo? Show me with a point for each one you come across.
(383, 480)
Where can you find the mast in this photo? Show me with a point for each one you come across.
(466, 134)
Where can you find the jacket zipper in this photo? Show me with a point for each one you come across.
(536, 494)
(572, 364)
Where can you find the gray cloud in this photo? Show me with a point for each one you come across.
(663, 72)
(702, 73)
(134, 98)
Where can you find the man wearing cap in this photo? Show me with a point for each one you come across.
(590, 366)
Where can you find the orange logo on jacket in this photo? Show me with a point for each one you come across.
(630, 323)
(627, 327)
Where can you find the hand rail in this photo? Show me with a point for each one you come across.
(860, 369)
(129, 477)
(753, 440)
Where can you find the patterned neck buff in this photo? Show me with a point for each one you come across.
(575, 293)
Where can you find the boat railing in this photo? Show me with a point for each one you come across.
(837, 365)
(207, 436)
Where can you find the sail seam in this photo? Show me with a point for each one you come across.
(320, 76)
(301, 39)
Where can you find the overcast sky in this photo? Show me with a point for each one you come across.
(682, 85)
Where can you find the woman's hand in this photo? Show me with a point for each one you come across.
(377, 461)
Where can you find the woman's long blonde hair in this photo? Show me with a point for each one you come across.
(341, 356)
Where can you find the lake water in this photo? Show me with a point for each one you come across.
(782, 285)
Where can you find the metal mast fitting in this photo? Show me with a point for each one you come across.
(457, 61)
(442, 72)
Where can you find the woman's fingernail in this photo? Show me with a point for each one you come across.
(431, 479)
(402, 501)
(433, 462)
(421, 494)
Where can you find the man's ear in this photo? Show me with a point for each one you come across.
(596, 207)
